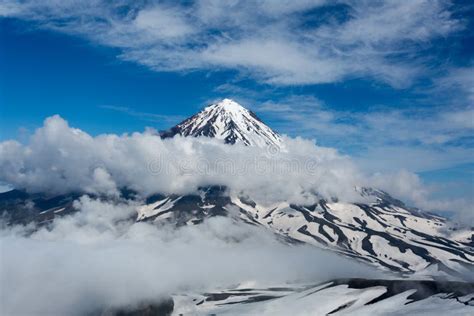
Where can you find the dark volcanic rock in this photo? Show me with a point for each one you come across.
(162, 308)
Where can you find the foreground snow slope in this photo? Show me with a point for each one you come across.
(339, 297)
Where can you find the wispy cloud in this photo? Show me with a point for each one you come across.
(151, 117)
(279, 42)
(383, 138)
(460, 79)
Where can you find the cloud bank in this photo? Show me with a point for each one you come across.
(62, 159)
(100, 258)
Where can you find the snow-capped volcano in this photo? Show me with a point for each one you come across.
(229, 121)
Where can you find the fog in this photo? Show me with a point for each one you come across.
(99, 257)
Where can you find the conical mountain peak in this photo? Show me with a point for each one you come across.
(230, 121)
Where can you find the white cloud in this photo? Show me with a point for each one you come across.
(59, 158)
(272, 41)
(279, 61)
(409, 187)
(383, 23)
(162, 23)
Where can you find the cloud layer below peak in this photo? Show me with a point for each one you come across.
(61, 159)
(98, 259)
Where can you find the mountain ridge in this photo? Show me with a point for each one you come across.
(388, 236)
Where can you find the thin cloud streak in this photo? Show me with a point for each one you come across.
(151, 117)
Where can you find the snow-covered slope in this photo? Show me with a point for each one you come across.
(229, 121)
(384, 233)
(381, 233)
(338, 297)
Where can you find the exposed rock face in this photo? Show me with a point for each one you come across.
(161, 308)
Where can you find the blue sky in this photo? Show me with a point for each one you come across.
(390, 83)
